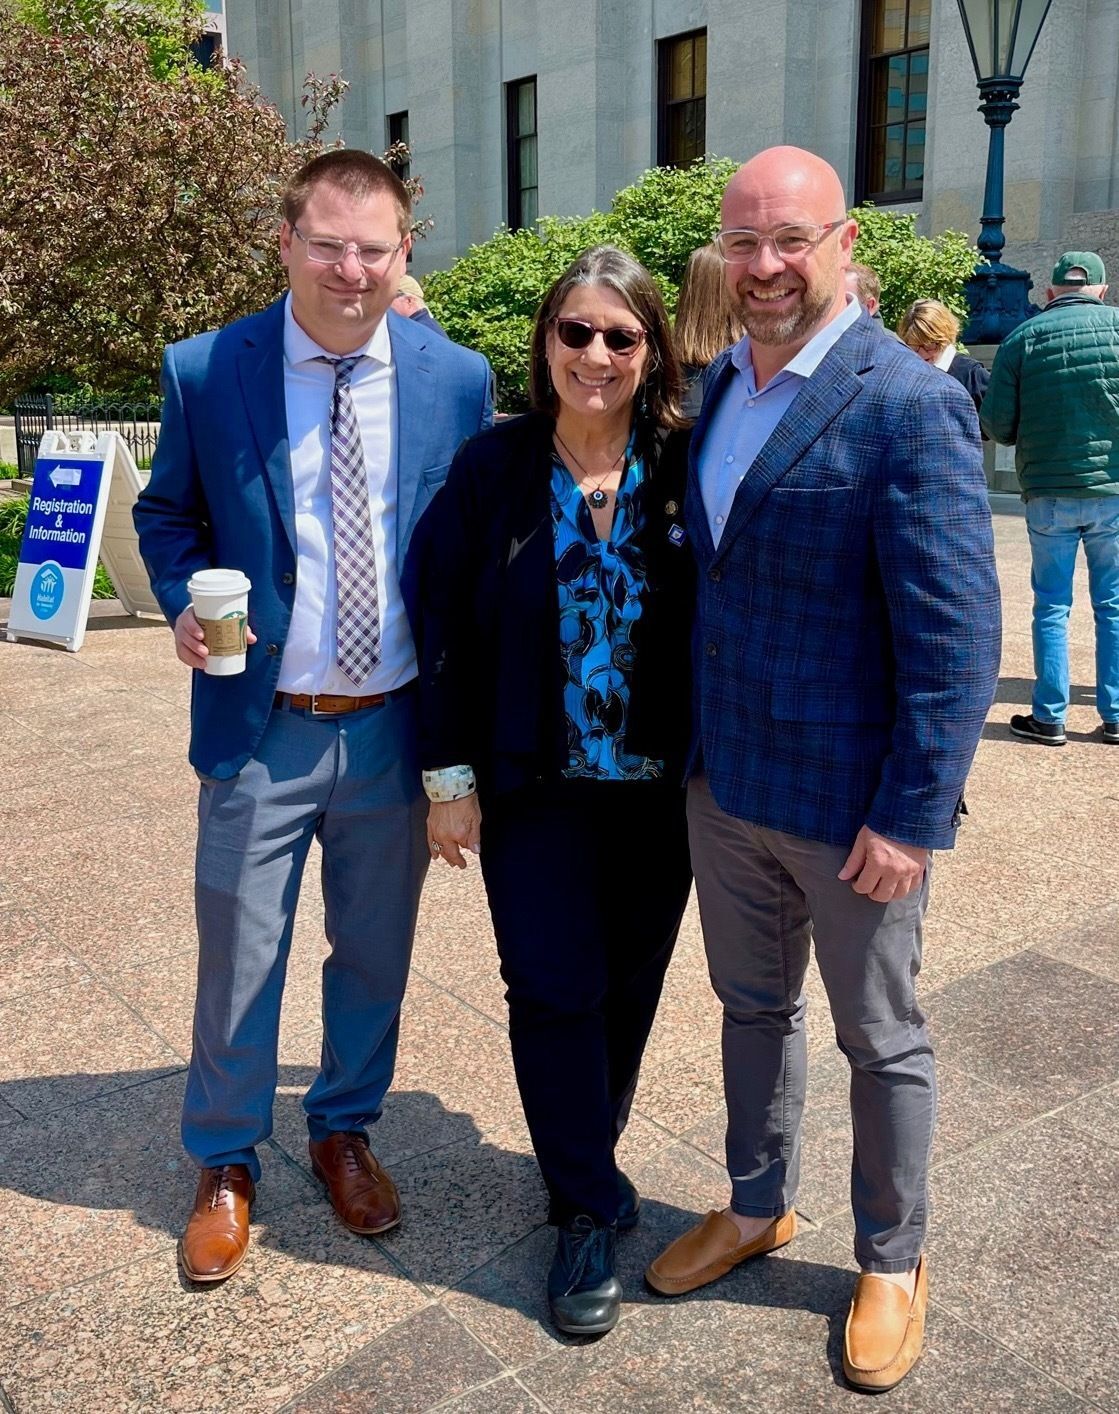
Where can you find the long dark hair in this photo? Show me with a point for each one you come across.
(659, 395)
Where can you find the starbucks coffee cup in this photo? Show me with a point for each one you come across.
(221, 606)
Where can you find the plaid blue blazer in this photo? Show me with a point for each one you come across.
(848, 626)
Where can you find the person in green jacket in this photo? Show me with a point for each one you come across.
(1054, 394)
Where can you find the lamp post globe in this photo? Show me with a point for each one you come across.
(1002, 36)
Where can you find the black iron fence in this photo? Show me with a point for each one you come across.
(137, 423)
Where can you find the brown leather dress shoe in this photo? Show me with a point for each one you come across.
(885, 1332)
(709, 1250)
(217, 1233)
(363, 1194)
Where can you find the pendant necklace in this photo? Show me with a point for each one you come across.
(598, 499)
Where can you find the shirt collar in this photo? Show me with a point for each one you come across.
(944, 358)
(300, 348)
(806, 360)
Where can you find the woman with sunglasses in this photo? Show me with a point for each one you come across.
(551, 589)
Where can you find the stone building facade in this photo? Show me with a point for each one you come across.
(514, 107)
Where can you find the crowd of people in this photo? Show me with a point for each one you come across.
(723, 604)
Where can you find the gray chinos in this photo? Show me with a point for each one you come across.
(764, 896)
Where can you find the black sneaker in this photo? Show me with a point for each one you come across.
(1110, 732)
(584, 1292)
(1030, 729)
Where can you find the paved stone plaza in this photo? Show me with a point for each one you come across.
(96, 981)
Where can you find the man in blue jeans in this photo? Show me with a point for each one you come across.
(1054, 393)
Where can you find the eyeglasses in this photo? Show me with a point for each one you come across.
(578, 334)
(737, 247)
(325, 250)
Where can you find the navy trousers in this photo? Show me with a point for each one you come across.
(587, 882)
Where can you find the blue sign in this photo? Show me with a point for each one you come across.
(58, 554)
(47, 590)
(59, 526)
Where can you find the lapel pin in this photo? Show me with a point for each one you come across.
(677, 534)
(670, 508)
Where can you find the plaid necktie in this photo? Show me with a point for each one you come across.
(355, 569)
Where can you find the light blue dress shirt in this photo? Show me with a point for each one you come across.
(742, 423)
(309, 662)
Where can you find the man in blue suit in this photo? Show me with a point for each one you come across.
(300, 446)
(847, 648)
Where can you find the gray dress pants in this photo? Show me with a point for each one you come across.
(764, 896)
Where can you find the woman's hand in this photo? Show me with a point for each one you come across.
(452, 826)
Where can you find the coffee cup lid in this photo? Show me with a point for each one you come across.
(218, 582)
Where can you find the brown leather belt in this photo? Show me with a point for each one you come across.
(323, 704)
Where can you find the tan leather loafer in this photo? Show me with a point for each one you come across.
(217, 1233)
(885, 1332)
(709, 1250)
(362, 1193)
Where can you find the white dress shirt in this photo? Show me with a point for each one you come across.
(308, 664)
(746, 416)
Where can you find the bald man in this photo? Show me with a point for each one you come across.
(847, 649)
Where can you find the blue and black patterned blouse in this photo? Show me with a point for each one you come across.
(600, 584)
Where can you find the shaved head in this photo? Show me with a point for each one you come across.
(788, 178)
(783, 300)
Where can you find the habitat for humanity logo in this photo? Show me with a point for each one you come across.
(47, 589)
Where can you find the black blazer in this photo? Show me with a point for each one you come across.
(480, 586)
(973, 375)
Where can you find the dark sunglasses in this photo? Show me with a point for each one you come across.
(578, 334)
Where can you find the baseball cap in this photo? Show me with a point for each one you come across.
(1079, 267)
(406, 285)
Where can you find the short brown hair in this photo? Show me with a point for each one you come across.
(867, 283)
(928, 324)
(606, 265)
(358, 174)
(706, 322)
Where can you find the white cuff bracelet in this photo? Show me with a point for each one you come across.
(449, 783)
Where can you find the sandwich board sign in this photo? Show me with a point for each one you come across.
(70, 495)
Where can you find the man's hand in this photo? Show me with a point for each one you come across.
(189, 646)
(454, 825)
(884, 869)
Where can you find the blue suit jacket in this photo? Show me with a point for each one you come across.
(848, 626)
(221, 491)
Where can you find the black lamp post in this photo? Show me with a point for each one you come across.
(1001, 35)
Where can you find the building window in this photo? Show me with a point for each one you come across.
(520, 129)
(206, 50)
(682, 99)
(396, 130)
(893, 94)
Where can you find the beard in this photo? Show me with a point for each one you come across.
(784, 327)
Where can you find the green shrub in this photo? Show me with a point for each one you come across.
(13, 515)
(910, 266)
(668, 213)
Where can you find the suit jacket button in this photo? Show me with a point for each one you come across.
(289, 578)
(711, 650)
(272, 649)
(715, 575)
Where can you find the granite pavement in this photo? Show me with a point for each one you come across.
(1021, 982)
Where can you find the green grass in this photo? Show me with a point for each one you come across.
(13, 515)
